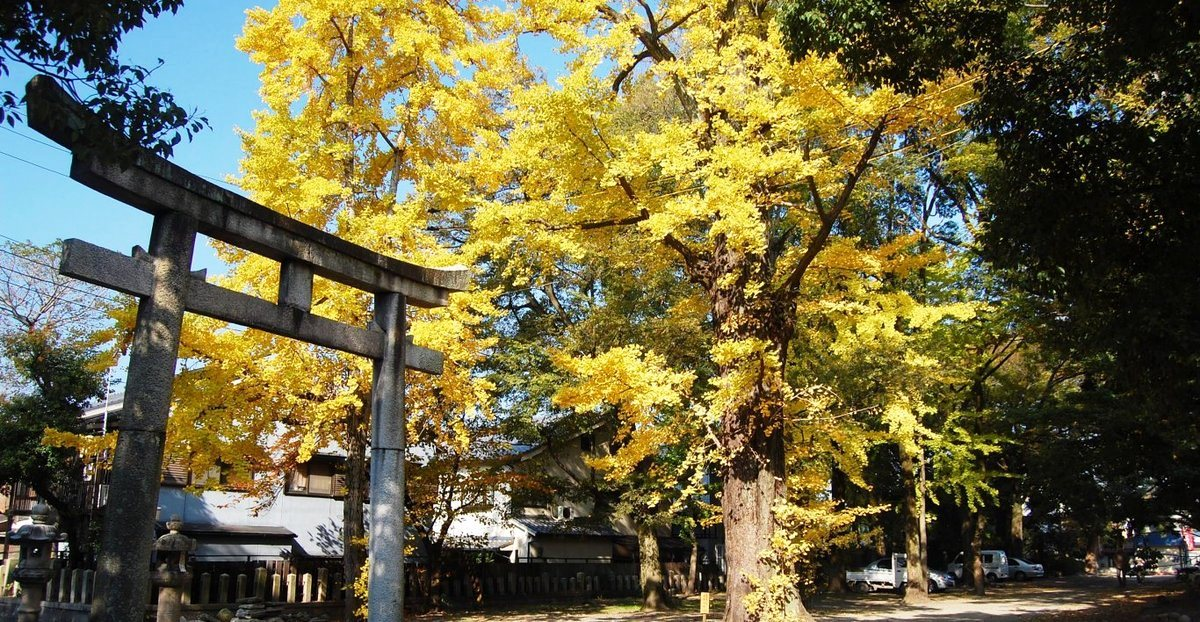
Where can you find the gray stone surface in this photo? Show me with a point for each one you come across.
(134, 276)
(385, 596)
(122, 586)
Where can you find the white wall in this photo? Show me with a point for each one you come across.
(316, 521)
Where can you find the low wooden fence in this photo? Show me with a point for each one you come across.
(311, 583)
(278, 584)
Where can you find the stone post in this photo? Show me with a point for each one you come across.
(34, 568)
(122, 588)
(385, 595)
(172, 573)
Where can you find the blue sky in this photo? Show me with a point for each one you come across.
(38, 203)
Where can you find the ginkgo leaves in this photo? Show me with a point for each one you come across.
(641, 386)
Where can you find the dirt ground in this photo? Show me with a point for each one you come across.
(1070, 599)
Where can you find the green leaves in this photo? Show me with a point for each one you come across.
(76, 42)
(899, 44)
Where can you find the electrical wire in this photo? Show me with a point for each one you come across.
(47, 281)
(35, 164)
(60, 148)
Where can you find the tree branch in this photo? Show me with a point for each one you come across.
(830, 218)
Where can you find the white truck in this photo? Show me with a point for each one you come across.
(891, 573)
(995, 566)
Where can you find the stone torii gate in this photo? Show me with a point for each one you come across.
(183, 205)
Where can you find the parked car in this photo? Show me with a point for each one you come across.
(1020, 569)
(995, 565)
(880, 575)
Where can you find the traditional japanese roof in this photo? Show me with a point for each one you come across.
(225, 529)
(552, 527)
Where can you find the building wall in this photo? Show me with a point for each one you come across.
(316, 521)
(572, 548)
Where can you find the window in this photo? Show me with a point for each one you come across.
(318, 477)
(175, 473)
(587, 442)
(220, 477)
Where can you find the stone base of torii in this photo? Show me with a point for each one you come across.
(183, 205)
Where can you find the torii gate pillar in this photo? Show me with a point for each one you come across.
(384, 600)
(123, 553)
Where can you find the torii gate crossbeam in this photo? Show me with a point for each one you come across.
(184, 205)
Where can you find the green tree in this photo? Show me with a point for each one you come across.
(1090, 108)
(51, 369)
(76, 41)
(62, 378)
(1095, 211)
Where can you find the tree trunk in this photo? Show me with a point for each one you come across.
(754, 482)
(689, 586)
(840, 558)
(1016, 524)
(654, 596)
(977, 576)
(434, 552)
(354, 549)
(917, 590)
(1091, 563)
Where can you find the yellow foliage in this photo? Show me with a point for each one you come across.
(88, 445)
(366, 104)
(641, 387)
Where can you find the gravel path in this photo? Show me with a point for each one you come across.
(1071, 599)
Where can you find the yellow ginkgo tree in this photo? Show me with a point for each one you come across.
(658, 454)
(739, 188)
(365, 103)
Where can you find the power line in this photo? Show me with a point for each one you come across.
(69, 301)
(47, 281)
(59, 148)
(35, 164)
(29, 259)
(38, 141)
(65, 285)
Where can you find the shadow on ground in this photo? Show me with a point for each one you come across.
(1070, 599)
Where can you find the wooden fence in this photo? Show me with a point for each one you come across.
(77, 586)
(216, 584)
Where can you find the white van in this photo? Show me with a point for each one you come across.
(995, 565)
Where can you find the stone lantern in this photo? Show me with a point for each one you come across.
(171, 551)
(35, 566)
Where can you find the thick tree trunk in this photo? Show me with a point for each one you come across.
(654, 595)
(917, 590)
(754, 482)
(354, 550)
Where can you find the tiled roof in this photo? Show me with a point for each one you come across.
(222, 529)
(551, 527)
